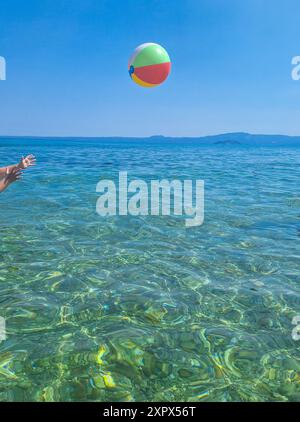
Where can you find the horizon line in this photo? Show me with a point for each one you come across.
(145, 137)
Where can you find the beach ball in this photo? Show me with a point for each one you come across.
(150, 65)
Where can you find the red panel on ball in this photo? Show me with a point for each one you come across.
(153, 74)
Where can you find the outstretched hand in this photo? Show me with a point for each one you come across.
(11, 174)
(26, 162)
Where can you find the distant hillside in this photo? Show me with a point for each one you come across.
(248, 139)
(239, 139)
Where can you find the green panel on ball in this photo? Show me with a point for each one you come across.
(151, 54)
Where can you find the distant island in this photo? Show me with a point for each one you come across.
(229, 139)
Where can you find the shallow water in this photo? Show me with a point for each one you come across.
(141, 308)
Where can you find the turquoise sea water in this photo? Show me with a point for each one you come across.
(141, 308)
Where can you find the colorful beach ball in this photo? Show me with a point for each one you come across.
(150, 65)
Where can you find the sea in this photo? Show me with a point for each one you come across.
(143, 308)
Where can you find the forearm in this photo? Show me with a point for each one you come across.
(3, 170)
(3, 185)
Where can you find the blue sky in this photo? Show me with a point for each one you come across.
(67, 67)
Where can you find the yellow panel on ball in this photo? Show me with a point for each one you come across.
(142, 83)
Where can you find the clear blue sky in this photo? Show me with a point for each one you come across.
(67, 67)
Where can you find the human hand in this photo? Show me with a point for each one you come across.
(26, 162)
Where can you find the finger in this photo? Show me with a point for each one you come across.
(17, 174)
(15, 171)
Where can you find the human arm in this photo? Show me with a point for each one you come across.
(24, 163)
(12, 175)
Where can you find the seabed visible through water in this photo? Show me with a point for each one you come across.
(141, 308)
